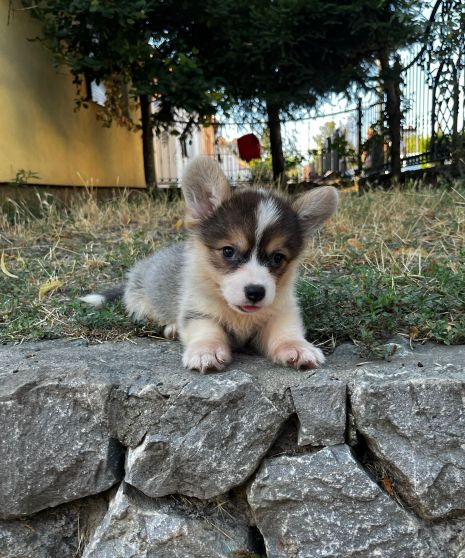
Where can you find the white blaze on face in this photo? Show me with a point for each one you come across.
(267, 214)
(253, 272)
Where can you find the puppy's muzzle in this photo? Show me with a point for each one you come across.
(255, 293)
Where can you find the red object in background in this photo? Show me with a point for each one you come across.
(249, 147)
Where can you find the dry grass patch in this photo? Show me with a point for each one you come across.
(388, 262)
(396, 232)
(76, 248)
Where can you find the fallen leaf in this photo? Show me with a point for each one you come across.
(4, 269)
(388, 487)
(51, 285)
(355, 243)
(413, 332)
(179, 224)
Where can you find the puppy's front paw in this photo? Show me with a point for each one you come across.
(170, 331)
(206, 357)
(299, 354)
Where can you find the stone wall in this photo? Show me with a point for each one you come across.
(115, 451)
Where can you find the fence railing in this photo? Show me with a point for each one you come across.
(432, 91)
(433, 113)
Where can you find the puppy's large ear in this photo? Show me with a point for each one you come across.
(205, 187)
(315, 207)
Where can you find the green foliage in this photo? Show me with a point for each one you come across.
(416, 144)
(367, 306)
(446, 41)
(201, 56)
(23, 176)
(326, 131)
(339, 143)
(141, 45)
(262, 169)
(291, 52)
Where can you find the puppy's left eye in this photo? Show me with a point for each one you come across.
(277, 259)
(228, 252)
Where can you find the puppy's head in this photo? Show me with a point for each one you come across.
(252, 239)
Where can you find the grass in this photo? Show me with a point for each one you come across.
(388, 263)
(78, 248)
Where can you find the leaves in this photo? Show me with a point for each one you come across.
(355, 244)
(203, 56)
(51, 285)
(135, 48)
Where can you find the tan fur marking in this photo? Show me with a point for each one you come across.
(277, 244)
(202, 294)
(235, 238)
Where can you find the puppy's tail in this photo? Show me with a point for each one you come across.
(108, 295)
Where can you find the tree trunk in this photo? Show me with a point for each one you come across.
(276, 143)
(390, 76)
(147, 143)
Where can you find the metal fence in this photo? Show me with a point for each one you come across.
(356, 140)
(433, 113)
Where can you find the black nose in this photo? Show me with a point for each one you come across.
(254, 293)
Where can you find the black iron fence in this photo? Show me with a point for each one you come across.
(357, 140)
(433, 113)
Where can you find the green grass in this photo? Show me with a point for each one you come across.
(368, 306)
(388, 263)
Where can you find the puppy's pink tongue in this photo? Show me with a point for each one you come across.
(250, 308)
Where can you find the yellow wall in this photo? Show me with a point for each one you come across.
(39, 130)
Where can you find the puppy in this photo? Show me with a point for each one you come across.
(232, 283)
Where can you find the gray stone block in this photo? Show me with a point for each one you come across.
(66, 408)
(416, 428)
(61, 532)
(325, 505)
(320, 404)
(209, 440)
(138, 527)
(55, 445)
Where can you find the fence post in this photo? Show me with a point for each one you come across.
(359, 135)
(456, 137)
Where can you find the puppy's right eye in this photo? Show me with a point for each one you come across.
(228, 252)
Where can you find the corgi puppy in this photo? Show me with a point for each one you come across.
(232, 283)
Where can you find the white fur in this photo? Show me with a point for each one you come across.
(251, 273)
(207, 347)
(283, 338)
(170, 331)
(201, 293)
(94, 299)
(299, 354)
(267, 215)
